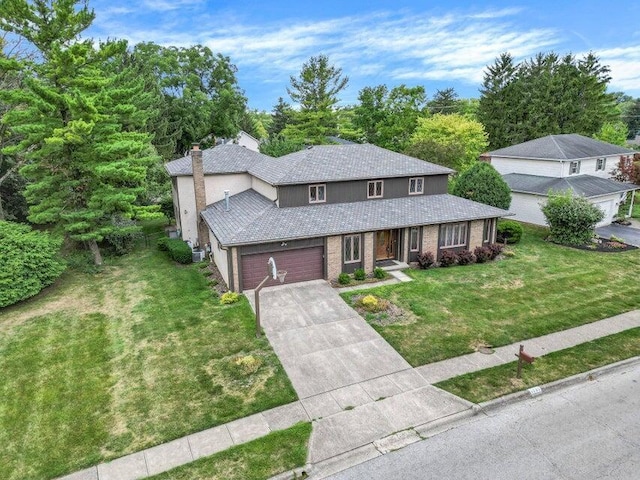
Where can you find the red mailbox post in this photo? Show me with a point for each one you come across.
(523, 357)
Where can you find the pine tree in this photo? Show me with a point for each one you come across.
(81, 129)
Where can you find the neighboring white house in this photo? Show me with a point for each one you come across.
(561, 163)
(244, 140)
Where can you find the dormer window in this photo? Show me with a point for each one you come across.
(416, 186)
(574, 168)
(317, 193)
(374, 189)
(601, 164)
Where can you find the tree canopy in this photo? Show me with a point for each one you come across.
(544, 95)
(86, 149)
(459, 139)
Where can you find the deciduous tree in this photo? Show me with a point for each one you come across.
(482, 183)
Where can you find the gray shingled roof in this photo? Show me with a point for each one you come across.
(254, 219)
(334, 163)
(222, 159)
(561, 147)
(586, 185)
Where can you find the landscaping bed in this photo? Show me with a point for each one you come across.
(102, 365)
(538, 289)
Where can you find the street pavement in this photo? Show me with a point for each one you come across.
(589, 431)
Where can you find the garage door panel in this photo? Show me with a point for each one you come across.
(301, 265)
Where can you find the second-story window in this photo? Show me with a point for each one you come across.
(416, 186)
(574, 168)
(601, 164)
(374, 189)
(317, 194)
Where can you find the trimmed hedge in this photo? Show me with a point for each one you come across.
(29, 261)
(509, 230)
(177, 249)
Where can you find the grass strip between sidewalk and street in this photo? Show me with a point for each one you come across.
(495, 382)
(262, 458)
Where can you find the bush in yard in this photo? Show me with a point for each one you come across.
(448, 258)
(426, 260)
(124, 236)
(572, 220)
(179, 251)
(482, 183)
(29, 261)
(483, 254)
(465, 257)
(162, 244)
(359, 274)
(229, 297)
(495, 249)
(344, 279)
(369, 302)
(379, 273)
(509, 230)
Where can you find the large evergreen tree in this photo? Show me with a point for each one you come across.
(81, 131)
(544, 95)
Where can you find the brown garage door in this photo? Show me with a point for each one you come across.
(301, 265)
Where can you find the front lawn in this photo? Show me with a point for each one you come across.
(104, 365)
(543, 288)
(501, 380)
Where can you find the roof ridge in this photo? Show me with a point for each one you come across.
(553, 139)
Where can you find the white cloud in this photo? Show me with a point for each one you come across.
(625, 67)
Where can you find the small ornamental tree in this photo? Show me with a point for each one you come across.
(572, 220)
(29, 261)
(482, 183)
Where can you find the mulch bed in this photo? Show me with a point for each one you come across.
(604, 245)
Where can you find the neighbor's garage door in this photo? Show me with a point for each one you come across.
(301, 265)
(606, 206)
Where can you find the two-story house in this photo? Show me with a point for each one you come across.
(321, 211)
(560, 163)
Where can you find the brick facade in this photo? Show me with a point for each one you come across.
(476, 233)
(334, 257)
(430, 239)
(369, 254)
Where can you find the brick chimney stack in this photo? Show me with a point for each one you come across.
(200, 194)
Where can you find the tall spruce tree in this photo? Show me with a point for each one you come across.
(544, 95)
(82, 133)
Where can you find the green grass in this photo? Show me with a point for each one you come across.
(498, 381)
(103, 365)
(257, 460)
(543, 288)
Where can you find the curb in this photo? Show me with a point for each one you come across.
(588, 376)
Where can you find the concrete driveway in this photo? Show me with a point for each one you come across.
(629, 234)
(323, 344)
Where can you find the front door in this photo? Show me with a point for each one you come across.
(386, 241)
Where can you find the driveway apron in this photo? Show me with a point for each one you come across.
(323, 343)
(628, 234)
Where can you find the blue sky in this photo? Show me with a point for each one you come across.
(435, 44)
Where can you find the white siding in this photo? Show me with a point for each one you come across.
(220, 257)
(247, 141)
(544, 168)
(187, 203)
(527, 208)
(215, 185)
(263, 188)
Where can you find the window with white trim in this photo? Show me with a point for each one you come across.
(453, 235)
(574, 168)
(601, 164)
(489, 225)
(374, 189)
(414, 239)
(416, 186)
(317, 193)
(351, 248)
